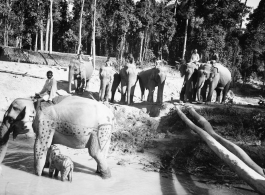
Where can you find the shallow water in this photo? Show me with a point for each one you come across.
(18, 178)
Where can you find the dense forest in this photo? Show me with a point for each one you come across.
(148, 29)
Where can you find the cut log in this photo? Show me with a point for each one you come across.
(236, 150)
(251, 177)
(21, 73)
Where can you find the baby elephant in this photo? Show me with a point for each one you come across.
(59, 162)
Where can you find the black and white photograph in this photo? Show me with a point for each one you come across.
(132, 97)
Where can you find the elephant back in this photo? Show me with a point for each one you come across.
(80, 112)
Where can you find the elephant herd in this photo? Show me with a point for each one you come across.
(78, 122)
(200, 77)
(127, 78)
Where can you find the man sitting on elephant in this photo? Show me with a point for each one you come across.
(195, 58)
(48, 91)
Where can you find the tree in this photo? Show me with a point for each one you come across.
(80, 26)
(51, 28)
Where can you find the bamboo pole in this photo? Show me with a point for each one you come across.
(241, 154)
(251, 177)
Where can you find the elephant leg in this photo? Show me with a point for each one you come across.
(56, 173)
(150, 97)
(63, 174)
(182, 93)
(51, 169)
(123, 91)
(218, 95)
(96, 152)
(225, 91)
(203, 92)
(42, 143)
(83, 85)
(210, 93)
(107, 92)
(142, 89)
(70, 175)
(115, 85)
(100, 92)
(160, 91)
(76, 85)
(86, 85)
(194, 92)
(132, 94)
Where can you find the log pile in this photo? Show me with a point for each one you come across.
(229, 152)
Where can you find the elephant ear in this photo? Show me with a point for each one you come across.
(17, 126)
(182, 69)
(214, 69)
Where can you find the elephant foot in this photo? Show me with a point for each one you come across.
(105, 174)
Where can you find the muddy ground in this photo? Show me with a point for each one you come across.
(139, 141)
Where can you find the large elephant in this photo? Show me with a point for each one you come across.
(75, 71)
(151, 78)
(75, 122)
(190, 73)
(128, 78)
(106, 75)
(219, 78)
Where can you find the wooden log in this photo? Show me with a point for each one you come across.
(251, 177)
(235, 149)
(21, 73)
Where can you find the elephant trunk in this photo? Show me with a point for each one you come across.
(161, 84)
(129, 87)
(4, 137)
(199, 86)
(70, 76)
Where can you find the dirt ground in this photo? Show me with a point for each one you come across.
(134, 162)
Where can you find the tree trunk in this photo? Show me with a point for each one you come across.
(36, 42)
(145, 43)
(94, 33)
(5, 32)
(185, 39)
(41, 36)
(80, 27)
(51, 30)
(255, 180)
(47, 33)
(141, 46)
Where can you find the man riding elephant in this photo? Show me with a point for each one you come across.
(75, 122)
(48, 91)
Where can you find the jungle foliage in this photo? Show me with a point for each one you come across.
(148, 29)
